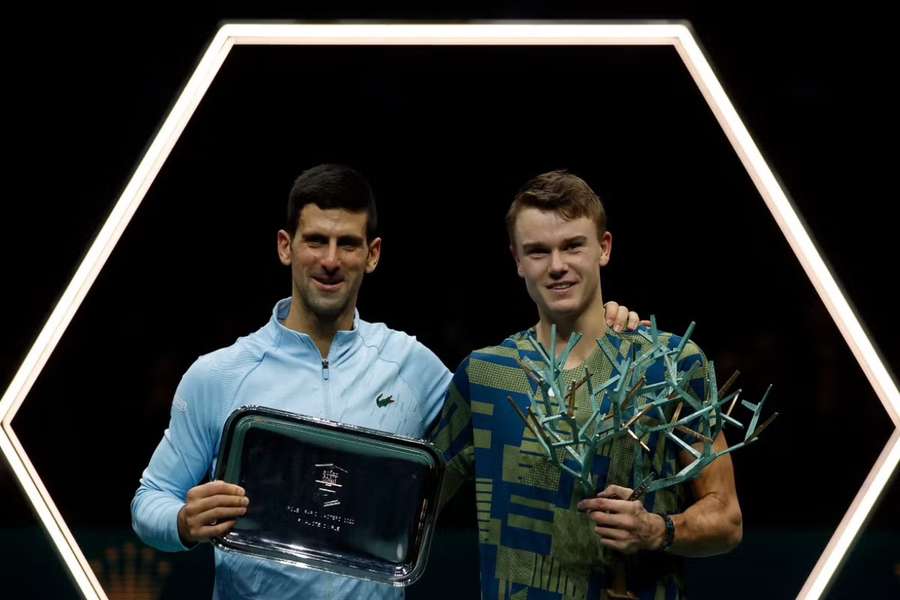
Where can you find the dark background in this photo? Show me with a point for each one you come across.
(447, 135)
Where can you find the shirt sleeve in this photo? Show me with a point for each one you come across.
(453, 435)
(694, 363)
(430, 379)
(181, 460)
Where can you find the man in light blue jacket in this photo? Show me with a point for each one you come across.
(315, 357)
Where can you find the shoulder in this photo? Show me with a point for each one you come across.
(225, 367)
(398, 347)
(510, 349)
(497, 365)
(390, 344)
(642, 337)
(691, 351)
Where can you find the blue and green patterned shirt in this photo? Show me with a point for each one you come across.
(534, 544)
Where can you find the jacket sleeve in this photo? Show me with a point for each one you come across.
(429, 378)
(181, 460)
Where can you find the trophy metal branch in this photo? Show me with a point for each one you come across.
(634, 408)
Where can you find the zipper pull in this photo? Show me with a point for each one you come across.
(325, 369)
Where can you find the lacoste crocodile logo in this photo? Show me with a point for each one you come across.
(382, 401)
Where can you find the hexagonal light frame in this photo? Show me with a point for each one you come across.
(677, 35)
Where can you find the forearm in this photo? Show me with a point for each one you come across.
(161, 494)
(711, 525)
(154, 518)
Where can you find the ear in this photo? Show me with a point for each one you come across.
(374, 255)
(515, 255)
(605, 248)
(283, 245)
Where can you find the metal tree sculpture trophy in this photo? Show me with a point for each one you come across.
(636, 409)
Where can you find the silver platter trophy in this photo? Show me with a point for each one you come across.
(331, 497)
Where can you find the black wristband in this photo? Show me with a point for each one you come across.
(670, 532)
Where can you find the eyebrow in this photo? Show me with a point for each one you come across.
(529, 246)
(578, 239)
(343, 239)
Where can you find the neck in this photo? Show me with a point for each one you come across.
(321, 329)
(590, 323)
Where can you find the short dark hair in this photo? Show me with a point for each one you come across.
(332, 186)
(560, 192)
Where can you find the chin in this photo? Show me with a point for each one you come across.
(328, 309)
(568, 304)
(560, 310)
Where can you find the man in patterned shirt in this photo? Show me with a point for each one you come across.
(540, 536)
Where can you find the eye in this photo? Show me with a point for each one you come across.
(315, 241)
(349, 244)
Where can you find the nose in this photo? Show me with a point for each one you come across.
(558, 267)
(330, 259)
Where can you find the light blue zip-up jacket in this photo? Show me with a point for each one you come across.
(281, 368)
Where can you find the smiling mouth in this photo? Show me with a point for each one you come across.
(328, 283)
(560, 286)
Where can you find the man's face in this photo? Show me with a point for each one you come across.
(328, 255)
(560, 261)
